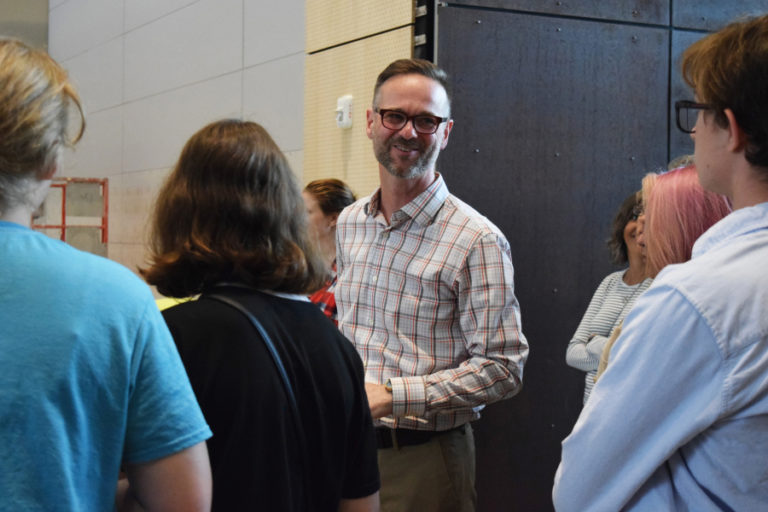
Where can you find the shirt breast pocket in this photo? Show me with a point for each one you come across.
(426, 299)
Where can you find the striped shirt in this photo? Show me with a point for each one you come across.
(607, 309)
(428, 300)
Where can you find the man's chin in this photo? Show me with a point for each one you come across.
(406, 174)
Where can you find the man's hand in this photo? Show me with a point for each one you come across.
(379, 400)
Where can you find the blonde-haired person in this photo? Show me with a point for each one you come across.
(677, 212)
(325, 199)
(90, 377)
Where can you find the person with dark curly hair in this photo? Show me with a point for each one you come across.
(614, 297)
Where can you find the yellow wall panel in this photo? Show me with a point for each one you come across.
(346, 154)
(332, 22)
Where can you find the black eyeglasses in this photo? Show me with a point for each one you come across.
(686, 114)
(425, 124)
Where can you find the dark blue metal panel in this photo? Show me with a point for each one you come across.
(635, 11)
(711, 15)
(679, 143)
(556, 121)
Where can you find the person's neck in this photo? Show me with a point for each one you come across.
(743, 197)
(748, 186)
(634, 274)
(34, 196)
(18, 215)
(397, 192)
(327, 248)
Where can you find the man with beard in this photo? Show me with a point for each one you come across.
(425, 292)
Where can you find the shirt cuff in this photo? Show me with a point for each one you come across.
(409, 396)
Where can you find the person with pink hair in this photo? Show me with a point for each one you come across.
(677, 211)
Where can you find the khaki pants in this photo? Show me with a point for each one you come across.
(437, 476)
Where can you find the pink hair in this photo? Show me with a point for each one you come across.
(678, 211)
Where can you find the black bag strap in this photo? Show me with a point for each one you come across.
(286, 384)
(270, 348)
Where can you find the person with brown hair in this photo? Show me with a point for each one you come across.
(230, 225)
(325, 199)
(679, 420)
(426, 294)
(90, 378)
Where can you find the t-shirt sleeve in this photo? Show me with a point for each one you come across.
(163, 415)
(362, 475)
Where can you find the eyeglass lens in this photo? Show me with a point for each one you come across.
(422, 124)
(686, 118)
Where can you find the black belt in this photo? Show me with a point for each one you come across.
(398, 437)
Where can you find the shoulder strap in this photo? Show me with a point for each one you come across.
(286, 384)
(270, 347)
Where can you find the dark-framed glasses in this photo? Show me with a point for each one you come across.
(425, 124)
(686, 114)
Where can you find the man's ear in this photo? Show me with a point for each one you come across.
(447, 132)
(737, 140)
(334, 219)
(369, 118)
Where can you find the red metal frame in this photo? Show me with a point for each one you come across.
(62, 184)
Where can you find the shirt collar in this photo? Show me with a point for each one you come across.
(234, 284)
(734, 225)
(422, 209)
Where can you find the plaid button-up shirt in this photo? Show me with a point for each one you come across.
(428, 300)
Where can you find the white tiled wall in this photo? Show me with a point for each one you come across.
(196, 43)
(152, 73)
(269, 81)
(156, 127)
(98, 75)
(99, 153)
(76, 26)
(280, 27)
(140, 12)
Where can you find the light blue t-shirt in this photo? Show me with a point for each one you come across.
(89, 376)
(679, 421)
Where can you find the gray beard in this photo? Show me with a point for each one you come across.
(419, 167)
